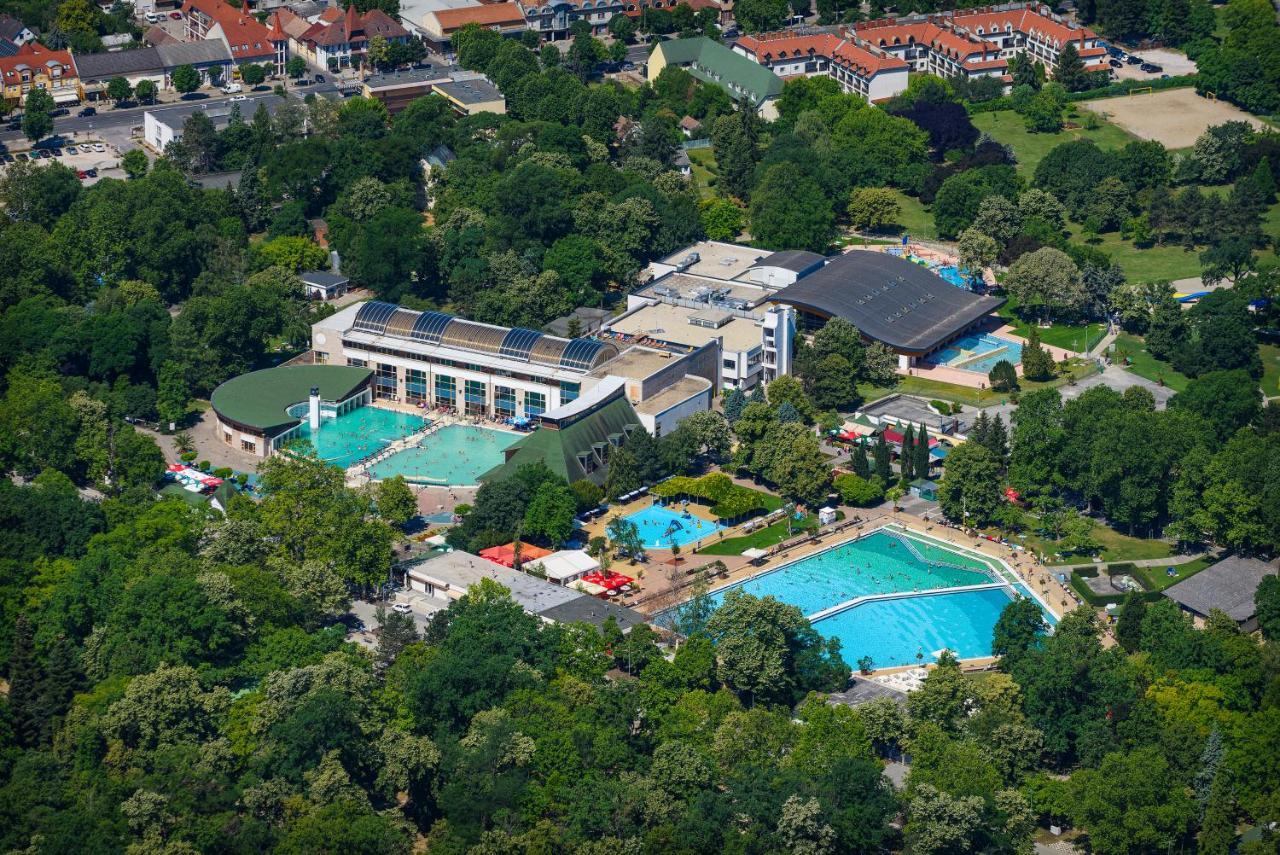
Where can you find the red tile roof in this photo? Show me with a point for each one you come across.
(768, 48)
(494, 14)
(1022, 21)
(36, 57)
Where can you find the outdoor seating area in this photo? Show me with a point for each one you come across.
(192, 480)
(506, 554)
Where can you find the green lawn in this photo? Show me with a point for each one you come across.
(759, 539)
(1005, 126)
(1270, 369)
(1142, 363)
(916, 219)
(1114, 546)
(702, 163)
(1156, 579)
(1068, 336)
(1153, 264)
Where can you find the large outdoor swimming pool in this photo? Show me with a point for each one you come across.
(978, 352)
(351, 437)
(454, 455)
(660, 527)
(891, 630)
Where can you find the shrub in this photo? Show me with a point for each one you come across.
(204, 466)
(242, 478)
(187, 456)
(941, 406)
(856, 490)
(223, 472)
(462, 510)
(1003, 376)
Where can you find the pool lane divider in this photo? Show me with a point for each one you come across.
(901, 595)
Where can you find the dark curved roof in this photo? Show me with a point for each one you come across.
(795, 260)
(579, 354)
(903, 305)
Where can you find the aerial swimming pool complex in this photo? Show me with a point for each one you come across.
(346, 439)
(661, 527)
(895, 596)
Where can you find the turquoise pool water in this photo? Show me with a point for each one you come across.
(353, 436)
(878, 563)
(961, 353)
(456, 455)
(892, 632)
(660, 527)
(954, 275)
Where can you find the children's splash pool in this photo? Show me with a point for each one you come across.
(660, 527)
(978, 352)
(898, 625)
(351, 437)
(454, 455)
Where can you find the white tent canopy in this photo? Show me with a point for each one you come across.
(567, 565)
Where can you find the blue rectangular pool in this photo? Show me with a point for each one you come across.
(978, 352)
(660, 527)
(351, 437)
(892, 630)
(454, 455)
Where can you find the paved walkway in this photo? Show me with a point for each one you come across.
(1171, 561)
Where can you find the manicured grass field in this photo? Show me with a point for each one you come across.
(1157, 579)
(916, 219)
(1006, 126)
(1152, 264)
(1067, 336)
(1114, 546)
(1145, 365)
(759, 539)
(1270, 369)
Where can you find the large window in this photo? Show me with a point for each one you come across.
(535, 403)
(355, 363)
(569, 391)
(446, 391)
(415, 386)
(504, 402)
(476, 397)
(385, 386)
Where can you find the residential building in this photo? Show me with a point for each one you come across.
(439, 26)
(338, 39)
(399, 89)
(324, 285)
(712, 62)
(860, 70)
(246, 39)
(1228, 586)
(438, 360)
(447, 577)
(472, 95)
(13, 35)
(551, 19)
(33, 66)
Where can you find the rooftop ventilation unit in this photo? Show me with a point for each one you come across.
(688, 261)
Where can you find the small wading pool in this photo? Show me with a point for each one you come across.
(347, 439)
(899, 626)
(978, 353)
(660, 527)
(454, 455)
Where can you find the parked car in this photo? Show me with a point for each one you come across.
(81, 174)
(1134, 60)
(60, 111)
(71, 150)
(1151, 68)
(57, 152)
(1115, 63)
(402, 608)
(14, 125)
(177, 16)
(232, 88)
(21, 156)
(152, 18)
(91, 172)
(88, 111)
(8, 158)
(99, 147)
(319, 78)
(238, 98)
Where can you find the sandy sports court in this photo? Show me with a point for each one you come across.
(1175, 117)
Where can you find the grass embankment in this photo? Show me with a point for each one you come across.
(1007, 127)
(1113, 546)
(1077, 337)
(1142, 363)
(761, 539)
(1270, 370)
(702, 164)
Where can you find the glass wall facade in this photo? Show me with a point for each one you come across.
(446, 391)
(476, 397)
(415, 386)
(535, 403)
(385, 381)
(569, 391)
(504, 401)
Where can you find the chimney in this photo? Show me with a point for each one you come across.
(313, 409)
(335, 262)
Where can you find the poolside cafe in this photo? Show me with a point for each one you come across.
(567, 566)
(192, 480)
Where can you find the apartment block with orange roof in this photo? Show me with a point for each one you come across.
(35, 66)
(874, 75)
(248, 40)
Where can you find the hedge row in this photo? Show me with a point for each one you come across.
(1111, 90)
(1099, 600)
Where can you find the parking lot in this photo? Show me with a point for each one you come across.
(92, 159)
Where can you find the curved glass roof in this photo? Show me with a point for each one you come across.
(579, 354)
(519, 342)
(373, 317)
(430, 327)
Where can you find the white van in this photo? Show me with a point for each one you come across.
(232, 88)
(152, 18)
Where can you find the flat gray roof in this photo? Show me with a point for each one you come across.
(795, 260)
(1228, 586)
(475, 91)
(218, 111)
(322, 278)
(862, 692)
(409, 77)
(903, 305)
(198, 53)
(93, 66)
